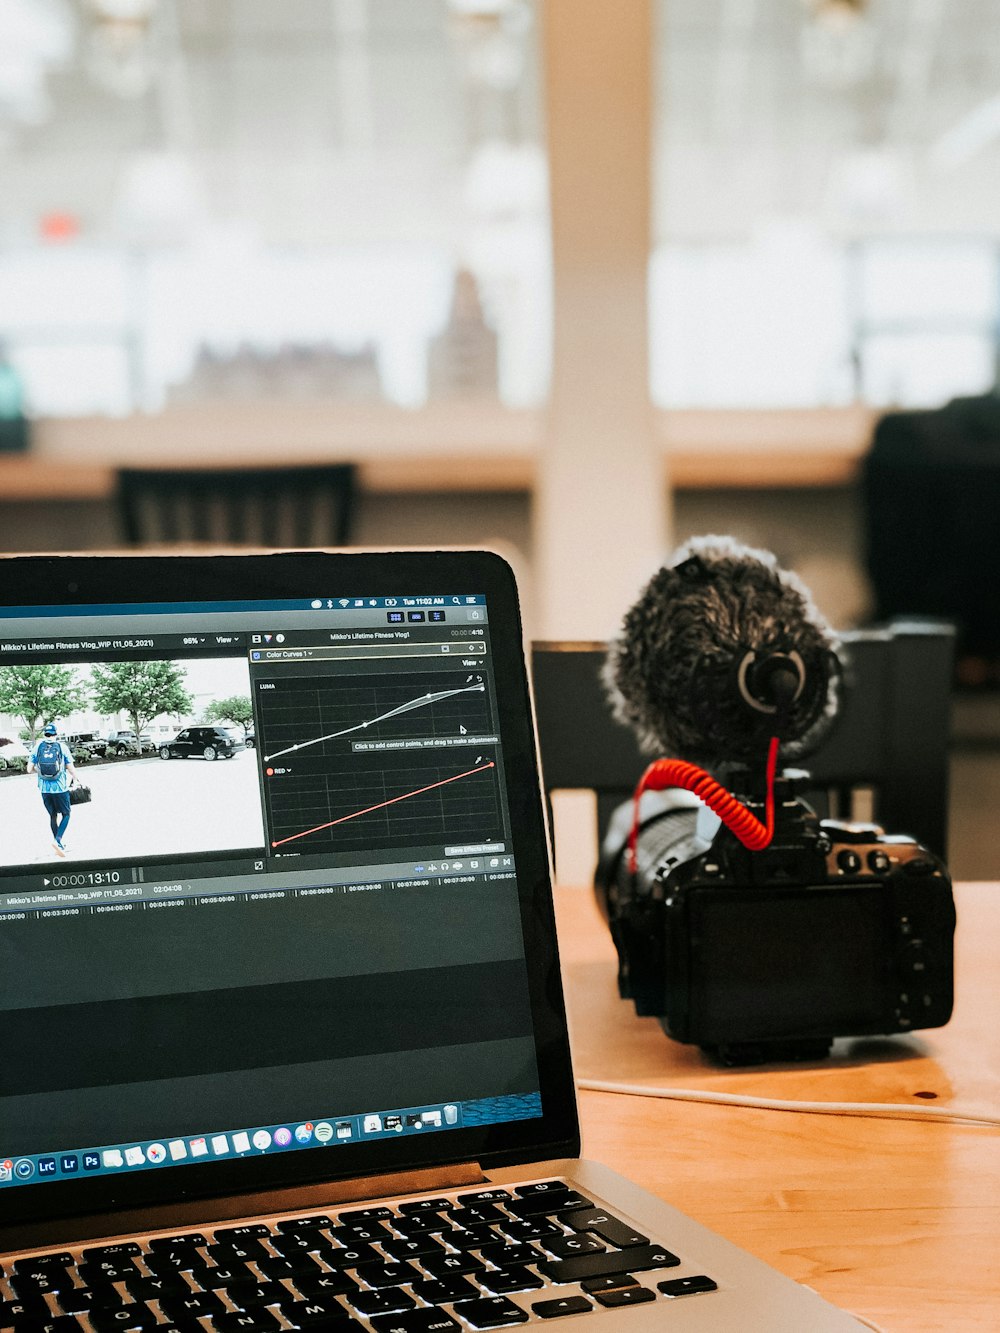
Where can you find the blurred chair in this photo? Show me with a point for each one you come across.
(930, 492)
(885, 759)
(279, 507)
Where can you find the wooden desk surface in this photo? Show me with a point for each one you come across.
(895, 1220)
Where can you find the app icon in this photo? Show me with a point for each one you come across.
(178, 1150)
(262, 1139)
(282, 1137)
(373, 1124)
(112, 1157)
(303, 1133)
(432, 1118)
(323, 1132)
(451, 1115)
(344, 1129)
(198, 1147)
(6, 1170)
(220, 1144)
(241, 1142)
(46, 1166)
(91, 1161)
(394, 1122)
(156, 1152)
(24, 1169)
(134, 1156)
(68, 1163)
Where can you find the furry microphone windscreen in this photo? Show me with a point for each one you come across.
(677, 673)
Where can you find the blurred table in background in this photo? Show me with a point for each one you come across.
(894, 1219)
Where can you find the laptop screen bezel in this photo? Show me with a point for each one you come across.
(83, 581)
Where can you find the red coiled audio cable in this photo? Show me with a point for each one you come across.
(679, 773)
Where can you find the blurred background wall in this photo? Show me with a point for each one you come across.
(574, 277)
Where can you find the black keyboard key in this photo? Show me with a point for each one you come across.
(164, 1262)
(503, 1280)
(301, 1242)
(236, 1251)
(316, 1314)
(248, 1231)
(388, 1301)
(80, 1300)
(142, 1288)
(388, 1274)
(496, 1195)
(246, 1321)
(374, 1214)
(124, 1249)
(249, 1296)
(561, 1305)
(45, 1263)
(529, 1228)
(416, 1321)
(491, 1312)
(419, 1224)
(425, 1206)
(505, 1255)
(603, 1224)
(400, 1248)
(352, 1256)
(541, 1187)
(445, 1265)
(687, 1286)
(60, 1323)
(294, 1226)
(222, 1276)
(360, 1233)
(610, 1283)
(440, 1291)
(472, 1238)
(616, 1300)
(14, 1314)
(327, 1284)
(277, 1266)
(106, 1270)
(475, 1215)
(194, 1305)
(547, 1204)
(187, 1241)
(563, 1247)
(135, 1315)
(25, 1285)
(638, 1259)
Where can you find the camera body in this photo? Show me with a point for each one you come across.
(834, 930)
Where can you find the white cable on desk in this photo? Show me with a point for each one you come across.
(883, 1110)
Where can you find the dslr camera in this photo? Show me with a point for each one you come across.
(835, 929)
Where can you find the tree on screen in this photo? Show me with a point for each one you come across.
(141, 690)
(40, 694)
(237, 709)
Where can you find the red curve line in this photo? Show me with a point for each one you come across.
(382, 804)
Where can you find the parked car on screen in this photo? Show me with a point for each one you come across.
(124, 742)
(200, 743)
(87, 740)
(250, 739)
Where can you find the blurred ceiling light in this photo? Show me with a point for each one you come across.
(34, 36)
(490, 34)
(976, 131)
(838, 42)
(119, 58)
(505, 180)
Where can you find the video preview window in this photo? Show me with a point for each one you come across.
(165, 746)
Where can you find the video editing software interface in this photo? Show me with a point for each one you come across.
(310, 917)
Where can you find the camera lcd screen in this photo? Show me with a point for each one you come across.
(806, 961)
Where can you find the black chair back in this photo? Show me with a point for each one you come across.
(277, 507)
(886, 757)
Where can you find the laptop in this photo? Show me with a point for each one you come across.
(283, 1034)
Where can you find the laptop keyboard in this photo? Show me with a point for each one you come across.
(485, 1259)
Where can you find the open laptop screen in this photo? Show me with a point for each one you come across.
(294, 919)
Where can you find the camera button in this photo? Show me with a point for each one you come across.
(879, 862)
(849, 862)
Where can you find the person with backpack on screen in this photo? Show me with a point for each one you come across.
(52, 760)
